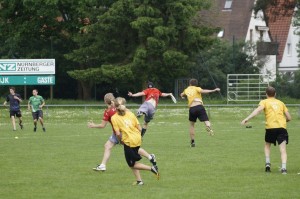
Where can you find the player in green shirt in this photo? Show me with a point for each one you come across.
(35, 104)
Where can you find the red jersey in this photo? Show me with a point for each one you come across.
(108, 113)
(152, 93)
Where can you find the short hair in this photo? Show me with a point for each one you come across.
(108, 98)
(270, 91)
(193, 82)
(12, 88)
(150, 85)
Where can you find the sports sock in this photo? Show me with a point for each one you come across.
(143, 131)
(268, 160)
(283, 166)
(192, 141)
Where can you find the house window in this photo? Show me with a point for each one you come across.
(228, 4)
(289, 49)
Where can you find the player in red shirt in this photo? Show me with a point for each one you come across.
(113, 140)
(152, 95)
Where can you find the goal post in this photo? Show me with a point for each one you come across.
(246, 87)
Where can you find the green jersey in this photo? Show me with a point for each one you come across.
(35, 102)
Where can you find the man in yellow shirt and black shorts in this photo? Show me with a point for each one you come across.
(277, 115)
(196, 110)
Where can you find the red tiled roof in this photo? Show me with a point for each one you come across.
(278, 19)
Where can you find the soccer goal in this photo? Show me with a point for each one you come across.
(246, 87)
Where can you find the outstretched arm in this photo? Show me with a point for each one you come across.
(166, 94)
(93, 125)
(253, 114)
(210, 91)
(136, 94)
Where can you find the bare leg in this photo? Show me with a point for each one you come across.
(267, 150)
(41, 121)
(136, 173)
(192, 130)
(282, 148)
(13, 121)
(107, 151)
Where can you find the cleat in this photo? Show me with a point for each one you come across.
(21, 125)
(100, 167)
(44, 129)
(153, 159)
(138, 183)
(154, 169)
(209, 131)
(283, 171)
(193, 144)
(34, 129)
(268, 167)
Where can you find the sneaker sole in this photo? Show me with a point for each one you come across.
(95, 169)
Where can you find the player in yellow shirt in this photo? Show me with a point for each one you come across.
(125, 122)
(276, 116)
(196, 108)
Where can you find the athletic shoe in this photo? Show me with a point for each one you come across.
(283, 171)
(154, 169)
(193, 144)
(268, 167)
(44, 129)
(34, 129)
(139, 114)
(138, 183)
(100, 167)
(153, 159)
(209, 131)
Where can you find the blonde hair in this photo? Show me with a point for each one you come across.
(109, 98)
(120, 105)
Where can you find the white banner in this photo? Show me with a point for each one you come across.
(27, 66)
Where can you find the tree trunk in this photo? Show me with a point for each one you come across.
(86, 90)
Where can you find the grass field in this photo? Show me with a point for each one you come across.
(58, 164)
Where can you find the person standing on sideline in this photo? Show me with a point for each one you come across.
(276, 116)
(126, 122)
(14, 100)
(152, 95)
(196, 108)
(36, 104)
(113, 140)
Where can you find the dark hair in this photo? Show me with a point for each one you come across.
(193, 82)
(13, 88)
(150, 85)
(270, 91)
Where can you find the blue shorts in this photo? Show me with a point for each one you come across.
(113, 138)
(148, 109)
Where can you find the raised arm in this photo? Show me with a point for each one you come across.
(166, 94)
(136, 94)
(204, 91)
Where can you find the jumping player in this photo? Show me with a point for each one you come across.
(196, 108)
(152, 95)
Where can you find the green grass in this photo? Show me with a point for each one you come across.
(58, 164)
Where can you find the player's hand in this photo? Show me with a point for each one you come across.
(129, 94)
(91, 124)
(217, 89)
(244, 122)
(41, 107)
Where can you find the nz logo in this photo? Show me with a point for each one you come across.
(7, 67)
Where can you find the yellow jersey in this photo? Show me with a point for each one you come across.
(193, 93)
(128, 126)
(274, 112)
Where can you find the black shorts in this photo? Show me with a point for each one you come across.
(15, 113)
(38, 114)
(131, 155)
(277, 134)
(198, 112)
